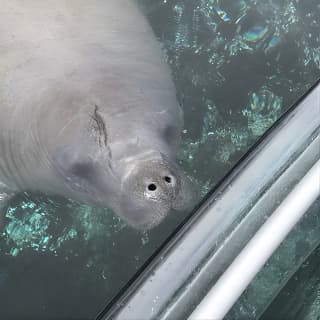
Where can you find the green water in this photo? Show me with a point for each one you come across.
(237, 65)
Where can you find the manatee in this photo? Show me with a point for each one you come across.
(88, 109)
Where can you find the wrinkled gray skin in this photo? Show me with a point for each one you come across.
(88, 108)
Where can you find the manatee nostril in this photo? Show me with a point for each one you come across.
(167, 179)
(152, 187)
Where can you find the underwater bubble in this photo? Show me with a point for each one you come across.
(230, 10)
(222, 14)
(255, 34)
(265, 101)
(273, 43)
(264, 109)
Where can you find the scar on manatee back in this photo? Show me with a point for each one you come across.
(100, 127)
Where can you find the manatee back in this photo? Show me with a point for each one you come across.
(27, 24)
(59, 60)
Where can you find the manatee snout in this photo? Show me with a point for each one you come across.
(143, 192)
(152, 191)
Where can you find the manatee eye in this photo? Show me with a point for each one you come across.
(170, 133)
(152, 187)
(82, 169)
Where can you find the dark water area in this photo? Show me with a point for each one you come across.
(237, 66)
(300, 298)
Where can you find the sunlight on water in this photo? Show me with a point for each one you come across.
(31, 225)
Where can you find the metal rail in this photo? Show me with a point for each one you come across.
(251, 259)
(187, 268)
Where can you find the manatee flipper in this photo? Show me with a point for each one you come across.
(4, 199)
(5, 195)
